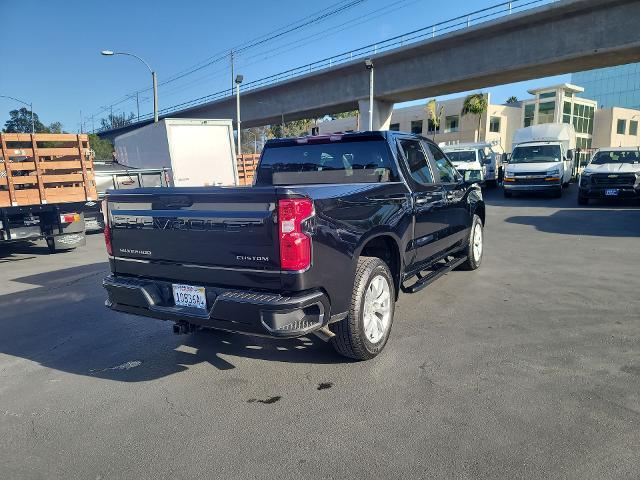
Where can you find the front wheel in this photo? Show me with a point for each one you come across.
(475, 245)
(364, 332)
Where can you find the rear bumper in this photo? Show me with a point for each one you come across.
(242, 311)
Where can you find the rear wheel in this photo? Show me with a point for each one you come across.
(475, 245)
(364, 332)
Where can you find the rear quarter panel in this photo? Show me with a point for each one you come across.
(347, 216)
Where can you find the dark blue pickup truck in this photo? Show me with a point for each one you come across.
(332, 230)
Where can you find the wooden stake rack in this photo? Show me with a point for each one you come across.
(45, 168)
(247, 168)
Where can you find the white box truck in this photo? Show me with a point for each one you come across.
(198, 152)
(541, 160)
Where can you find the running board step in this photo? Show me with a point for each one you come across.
(439, 270)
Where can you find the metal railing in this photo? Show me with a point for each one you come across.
(461, 22)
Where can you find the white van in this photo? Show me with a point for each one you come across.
(476, 157)
(541, 160)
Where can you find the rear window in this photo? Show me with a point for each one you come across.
(462, 156)
(366, 161)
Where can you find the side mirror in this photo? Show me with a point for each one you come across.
(506, 157)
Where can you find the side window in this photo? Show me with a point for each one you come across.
(416, 161)
(447, 172)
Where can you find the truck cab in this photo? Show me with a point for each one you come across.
(541, 160)
(478, 158)
(611, 173)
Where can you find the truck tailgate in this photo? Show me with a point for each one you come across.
(224, 231)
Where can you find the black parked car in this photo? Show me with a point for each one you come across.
(333, 229)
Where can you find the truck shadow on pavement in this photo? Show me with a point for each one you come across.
(585, 221)
(59, 321)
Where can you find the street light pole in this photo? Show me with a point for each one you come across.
(30, 105)
(369, 65)
(239, 79)
(154, 78)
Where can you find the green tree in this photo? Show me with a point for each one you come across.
(434, 115)
(512, 99)
(116, 121)
(253, 139)
(103, 149)
(55, 127)
(475, 104)
(20, 122)
(350, 114)
(296, 128)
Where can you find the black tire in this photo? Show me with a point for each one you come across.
(473, 260)
(582, 200)
(507, 194)
(350, 339)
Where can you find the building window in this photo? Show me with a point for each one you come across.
(633, 127)
(546, 112)
(528, 114)
(494, 124)
(416, 127)
(547, 95)
(583, 118)
(394, 127)
(622, 127)
(431, 127)
(566, 113)
(451, 124)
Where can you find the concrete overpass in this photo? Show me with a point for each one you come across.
(558, 38)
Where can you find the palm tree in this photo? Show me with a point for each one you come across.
(434, 114)
(475, 104)
(512, 99)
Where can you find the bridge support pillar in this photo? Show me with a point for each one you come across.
(381, 114)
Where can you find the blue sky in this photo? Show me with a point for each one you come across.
(55, 62)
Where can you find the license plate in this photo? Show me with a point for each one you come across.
(611, 192)
(189, 296)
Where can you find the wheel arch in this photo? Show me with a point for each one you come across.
(386, 247)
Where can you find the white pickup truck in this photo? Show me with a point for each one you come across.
(542, 159)
(611, 173)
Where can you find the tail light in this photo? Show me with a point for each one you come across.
(107, 229)
(69, 217)
(295, 244)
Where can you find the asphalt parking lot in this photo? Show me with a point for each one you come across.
(526, 368)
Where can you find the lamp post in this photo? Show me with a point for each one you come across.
(368, 63)
(154, 78)
(30, 105)
(239, 79)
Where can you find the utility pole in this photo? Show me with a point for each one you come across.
(231, 59)
(238, 81)
(138, 105)
(81, 124)
(93, 125)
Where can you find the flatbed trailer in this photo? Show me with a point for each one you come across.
(45, 182)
